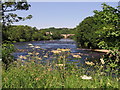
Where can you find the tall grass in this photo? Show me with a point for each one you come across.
(56, 74)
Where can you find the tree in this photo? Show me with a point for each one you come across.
(86, 36)
(9, 18)
(7, 7)
(102, 30)
(111, 17)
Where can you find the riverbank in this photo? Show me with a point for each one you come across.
(96, 50)
(101, 50)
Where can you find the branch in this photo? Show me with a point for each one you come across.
(10, 10)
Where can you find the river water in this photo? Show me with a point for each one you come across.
(45, 47)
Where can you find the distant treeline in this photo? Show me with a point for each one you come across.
(18, 33)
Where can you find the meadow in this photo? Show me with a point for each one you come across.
(58, 73)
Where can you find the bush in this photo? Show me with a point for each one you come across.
(7, 58)
(112, 59)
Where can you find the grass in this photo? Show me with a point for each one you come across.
(57, 74)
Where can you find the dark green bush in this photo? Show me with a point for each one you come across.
(112, 59)
(7, 58)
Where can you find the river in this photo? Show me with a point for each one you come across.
(45, 47)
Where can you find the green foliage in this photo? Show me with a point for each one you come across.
(86, 33)
(26, 33)
(21, 33)
(56, 35)
(59, 30)
(112, 59)
(102, 44)
(37, 36)
(9, 18)
(22, 74)
(7, 58)
(101, 30)
(56, 32)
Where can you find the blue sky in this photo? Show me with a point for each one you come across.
(59, 14)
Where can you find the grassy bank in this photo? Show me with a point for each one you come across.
(58, 74)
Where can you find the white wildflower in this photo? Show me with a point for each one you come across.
(102, 61)
(86, 77)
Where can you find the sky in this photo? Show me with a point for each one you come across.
(59, 14)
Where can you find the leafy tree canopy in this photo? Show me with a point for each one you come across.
(8, 7)
(102, 30)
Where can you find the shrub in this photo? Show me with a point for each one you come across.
(7, 58)
(112, 59)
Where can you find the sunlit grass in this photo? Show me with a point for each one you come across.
(56, 74)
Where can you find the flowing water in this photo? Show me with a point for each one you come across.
(45, 47)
